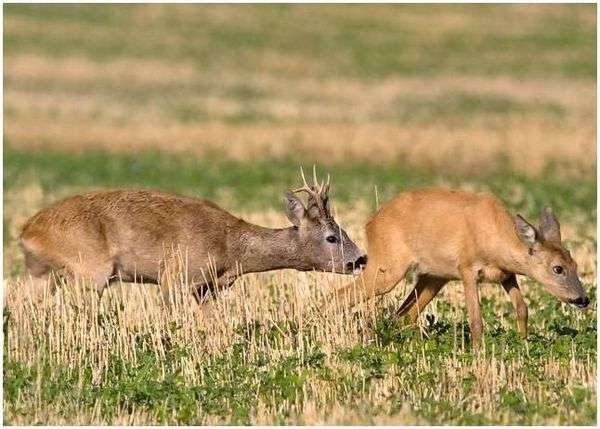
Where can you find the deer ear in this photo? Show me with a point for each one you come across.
(549, 226)
(526, 232)
(294, 209)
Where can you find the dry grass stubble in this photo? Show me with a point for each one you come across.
(67, 330)
(76, 330)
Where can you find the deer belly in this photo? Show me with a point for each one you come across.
(440, 259)
(447, 269)
(131, 269)
(491, 273)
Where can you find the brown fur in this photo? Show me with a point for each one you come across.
(133, 234)
(448, 235)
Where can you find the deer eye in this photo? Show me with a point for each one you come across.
(558, 269)
(331, 238)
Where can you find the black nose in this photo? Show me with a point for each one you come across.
(581, 302)
(359, 263)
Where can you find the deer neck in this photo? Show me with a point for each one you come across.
(516, 260)
(259, 249)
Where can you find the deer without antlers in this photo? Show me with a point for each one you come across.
(453, 235)
(122, 234)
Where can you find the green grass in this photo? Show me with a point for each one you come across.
(340, 41)
(260, 183)
(461, 107)
(231, 383)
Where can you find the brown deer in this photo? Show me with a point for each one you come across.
(454, 235)
(122, 235)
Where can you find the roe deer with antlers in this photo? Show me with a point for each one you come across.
(454, 235)
(122, 234)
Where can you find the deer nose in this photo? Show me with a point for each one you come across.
(361, 261)
(581, 302)
(358, 264)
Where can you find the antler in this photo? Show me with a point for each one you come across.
(318, 191)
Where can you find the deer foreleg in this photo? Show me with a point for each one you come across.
(511, 287)
(209, 289)
(469, 279)
(373, 282)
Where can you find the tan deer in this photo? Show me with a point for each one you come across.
(122, 234)
(454, 235)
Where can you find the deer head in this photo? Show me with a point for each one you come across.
(549, 261)
(325, 246)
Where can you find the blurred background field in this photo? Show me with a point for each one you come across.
(449, 87)
(226, 102)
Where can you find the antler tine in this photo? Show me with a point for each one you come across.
(325, 187)
(303, 177)
(305, 187)
(321, 188)
(317, 191)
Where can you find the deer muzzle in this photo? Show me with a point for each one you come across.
(581, 302)
(358, 265)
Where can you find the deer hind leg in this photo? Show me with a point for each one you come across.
(426, 288)
(36, 289)
(40, 281)
(511, 287)
(44, 279)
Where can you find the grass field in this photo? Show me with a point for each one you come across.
(226, 102)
